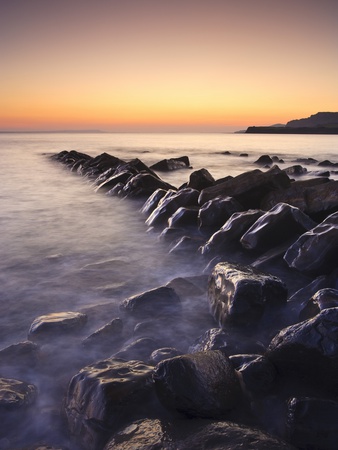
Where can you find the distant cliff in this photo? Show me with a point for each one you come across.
(320, 123)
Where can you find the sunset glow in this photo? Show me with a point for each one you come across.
(180, 65)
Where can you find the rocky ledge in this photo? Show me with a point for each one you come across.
(256, 365)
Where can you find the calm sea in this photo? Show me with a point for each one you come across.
(63, 247)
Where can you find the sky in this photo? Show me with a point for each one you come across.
(165, 65)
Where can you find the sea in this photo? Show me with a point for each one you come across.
(64, 247)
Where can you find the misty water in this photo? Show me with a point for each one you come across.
(64, 247)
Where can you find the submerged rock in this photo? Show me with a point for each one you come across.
(167, 165)
(202, 384)
(239, 294)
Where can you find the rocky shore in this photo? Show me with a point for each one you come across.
(256, 368)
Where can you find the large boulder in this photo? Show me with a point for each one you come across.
(202, 384)
(239, 294)
(308, 351)
(200, 179)
(214, 213)
(248, 188)
(152, 202)
(315, 251)
(155, 434)
(102, 396)
(50, 325)
(142, 185)
(184, 218)
(109, 183)
(282, 223)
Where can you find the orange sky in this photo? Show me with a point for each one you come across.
(158, 65)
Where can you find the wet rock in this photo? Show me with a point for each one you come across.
(25, 354)
(184, 218)
(231, 232)
(161, 354)
(312, 423)
(315, 251)
(323, 299)
(99, 164)
(200, 179)
(191, 434)
(171, 234)
(15, 394)
(276, 226)
(308, 351)
(189, 286)
(152, 201)
(143, 185)
(202, 384)
(49, 325)
(168, 165)
(170, 203)
(105, 335)
(295, 170)
(264, 159)
(187, 244)
(102, 396)
(112, 181)
(156, 302)
(214, 213)
(248, 188)
(139, 349)
(239, 294)
(326, 162)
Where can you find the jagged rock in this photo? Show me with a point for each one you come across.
(142, 185)
(103, 396)
(167, 165)
(308, 351)
(184, 218)
(49, 325)
(139, 349)
(105, 335)
(152, 201)
(214, 213)
(230, 233)
(276, 226)
(191, 434)
(187, 244)
(323, 299)
(202, 384)
(15, 394)
(159, 301)
(327, 163)
(295, 170)
(170, 203)
(316, 250)
(239, 294)
(264, 159)
(248, 188)
(107, 185)
(160, 354)
(171, 234)
(312, 423)
(200, 179)
(25, 354)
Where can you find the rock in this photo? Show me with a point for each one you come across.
(143, 185)
(155, 434)
(189, 286)
(167, 165)
(103, 396)
(160, 354)
(295, 170)
(200, 179)
(186, 244)
(15, 394)
(170, 203)
(214, 213)
(202, 384)
(107, 185)
(184, 218)
(312, 423)
(323, 299)
(306, 160)
(25, 354)
(315, 251)
(239, 294)
(248, 188)
(282, 223)
(264, 159)
(152, 201)
(327, 163)
(307, 352)
(159, 301)
(105, 335)
(50, 325)
(230, 233)
(139, 349)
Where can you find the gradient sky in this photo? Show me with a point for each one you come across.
(165, 65)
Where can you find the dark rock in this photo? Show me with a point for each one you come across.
(193, 434)
(187, 244)
(25, 354)
(276, 226)
(214, 213)
(105, 335)
(327, 163)
(248, 188)
(167, 165)
(156, 302)
(244, 154)
(171, 234)
(143, 185)
(202, 384)
(264, 159)
(200, 179)
(230, 233)
(308, 352)
(152, 201)
(15, 394)
(163, 353)
(306, 160)
(49, 325)
(239, 294)
(295, 170)
(312, 423)
(316, 250)
(323, 299)
(140, 349)
(189, 286)
(107, 185)
(94, 167)
(184, 218)
(103, 396)
(170, 203)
